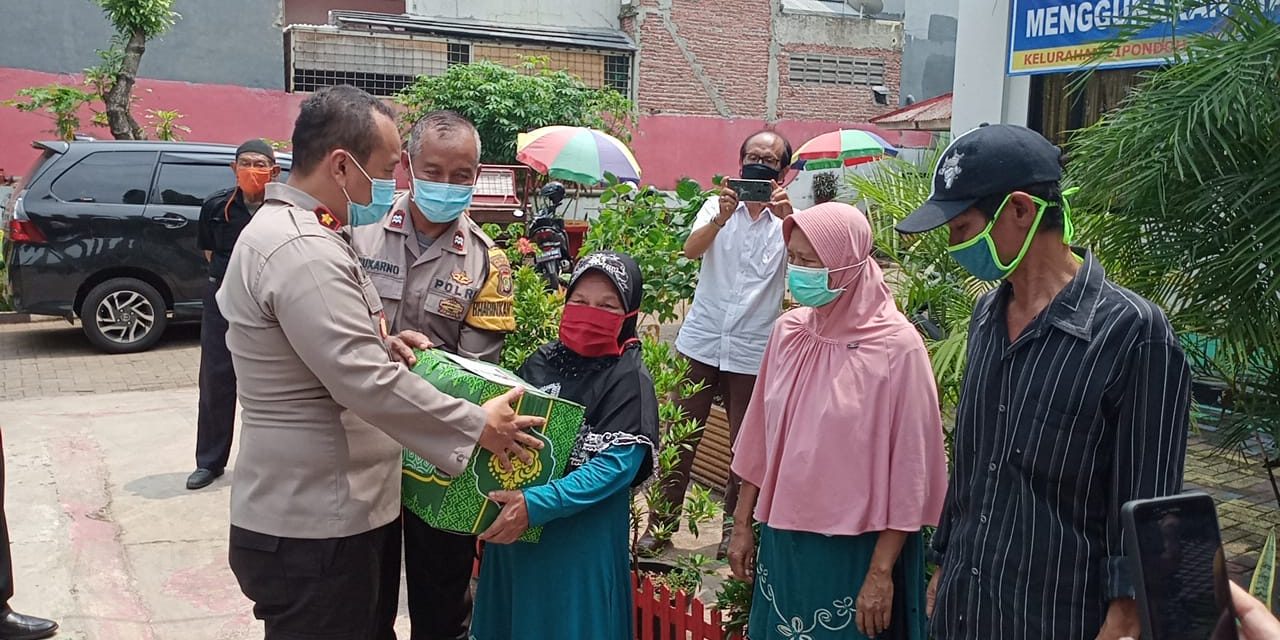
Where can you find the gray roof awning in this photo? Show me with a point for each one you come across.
(583, 38)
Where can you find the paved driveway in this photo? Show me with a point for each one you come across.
(53, 358)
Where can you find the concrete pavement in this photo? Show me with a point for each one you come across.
(106, 539)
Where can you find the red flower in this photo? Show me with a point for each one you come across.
(524, 246)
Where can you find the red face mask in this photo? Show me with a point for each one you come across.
(591, 332)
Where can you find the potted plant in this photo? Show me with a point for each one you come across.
(826, 186)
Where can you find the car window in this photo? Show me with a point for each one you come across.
(190, 184)
(107, 177)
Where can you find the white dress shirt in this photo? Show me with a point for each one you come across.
(739, 292)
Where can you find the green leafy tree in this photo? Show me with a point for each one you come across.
(136, 22)
(651, 227)
(164, 123)
(537, 315)
(107, 89)
(1190, 188)
(60, 102)
(505, 101)
(670, 373)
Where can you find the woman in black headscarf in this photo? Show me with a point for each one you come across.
(576, 582)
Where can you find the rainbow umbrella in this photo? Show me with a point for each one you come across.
(577, 154)
(843, 148)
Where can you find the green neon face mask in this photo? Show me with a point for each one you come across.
(978, 254)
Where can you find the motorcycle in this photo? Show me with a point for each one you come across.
(550, 241)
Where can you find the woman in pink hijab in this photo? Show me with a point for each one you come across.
(841, 451)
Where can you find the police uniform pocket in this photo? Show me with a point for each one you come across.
(388, 287)
(446, 306)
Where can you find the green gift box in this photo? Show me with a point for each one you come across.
(460, 503)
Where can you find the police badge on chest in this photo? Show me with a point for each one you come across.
(449, 296)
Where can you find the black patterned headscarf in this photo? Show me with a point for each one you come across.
(623, 271)
(617, 391)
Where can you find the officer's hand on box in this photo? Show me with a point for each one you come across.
(401, 346)
(504, 433)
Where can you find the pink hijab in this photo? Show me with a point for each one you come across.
(843, 434)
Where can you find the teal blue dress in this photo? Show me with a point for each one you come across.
(576, 583)
(807, 584)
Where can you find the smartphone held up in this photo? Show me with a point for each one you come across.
(1178, 568)
(752, 190)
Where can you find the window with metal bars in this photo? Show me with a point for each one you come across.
(378, 84)
(380, 64)
(459, 53)
(384, 64)
(820, 69)
(617, 74)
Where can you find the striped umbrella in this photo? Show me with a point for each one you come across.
(577, 154)
(843, 148)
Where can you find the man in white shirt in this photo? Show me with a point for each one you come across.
(739, 295)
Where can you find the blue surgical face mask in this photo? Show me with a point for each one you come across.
(383, 194)
(809, 284)
(440, 202)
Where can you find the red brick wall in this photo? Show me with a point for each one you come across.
(856, 103)
(730, 42)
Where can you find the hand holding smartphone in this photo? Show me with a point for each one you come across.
(752, 190)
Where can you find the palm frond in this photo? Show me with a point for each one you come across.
(1182, 193)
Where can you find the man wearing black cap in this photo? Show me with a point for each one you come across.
(1075, 400)
(222, 218)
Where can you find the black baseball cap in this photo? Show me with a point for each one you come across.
(989, 160)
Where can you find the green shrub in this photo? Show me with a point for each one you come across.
(504, 102)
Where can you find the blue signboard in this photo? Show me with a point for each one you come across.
(1048, 36)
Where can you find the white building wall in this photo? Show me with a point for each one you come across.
(598, 14)
(983, 93)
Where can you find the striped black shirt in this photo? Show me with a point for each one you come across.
(1086, 410)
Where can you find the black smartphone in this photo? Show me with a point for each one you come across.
(1178, 568)
(752, 190)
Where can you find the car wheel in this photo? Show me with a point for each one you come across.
(124, 315)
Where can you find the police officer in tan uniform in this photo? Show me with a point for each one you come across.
(439, 274)
(315, 499)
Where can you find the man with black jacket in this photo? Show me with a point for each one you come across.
(223, 216)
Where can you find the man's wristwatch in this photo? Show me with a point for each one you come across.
(716, 222)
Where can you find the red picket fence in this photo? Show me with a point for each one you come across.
(662, 615)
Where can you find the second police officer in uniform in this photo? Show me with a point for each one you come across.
(438, 274)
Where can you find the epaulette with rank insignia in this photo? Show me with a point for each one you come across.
(327, 220)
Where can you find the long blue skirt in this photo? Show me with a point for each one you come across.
(575, 584)
(807, 585)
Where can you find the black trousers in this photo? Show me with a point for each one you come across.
(6, 560)
(217, 416)
(331, 588)
(438, 566)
